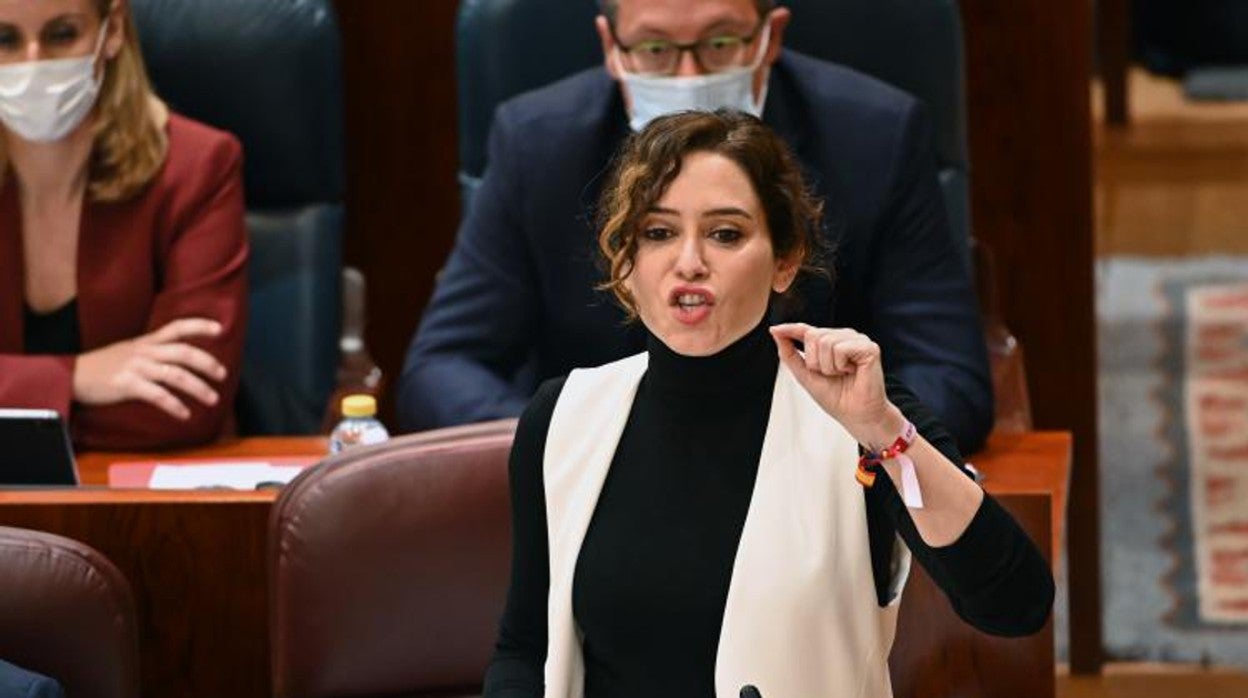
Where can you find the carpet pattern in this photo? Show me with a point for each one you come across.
(1214, 391)
(1173, 374)
(1217, 83)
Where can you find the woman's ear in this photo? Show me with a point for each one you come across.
(786, 272)
(117, 28)
(627, 278)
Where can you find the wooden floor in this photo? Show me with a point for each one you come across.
(1173, 183)
(1155, 681)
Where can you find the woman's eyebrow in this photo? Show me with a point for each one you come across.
(68, 16)
(727, 211)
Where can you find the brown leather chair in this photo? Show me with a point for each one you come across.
(67, 612)
(389, 567)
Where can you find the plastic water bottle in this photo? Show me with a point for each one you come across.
(359, 425)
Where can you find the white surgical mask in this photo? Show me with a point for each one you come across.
(652, 96)
(44, 101)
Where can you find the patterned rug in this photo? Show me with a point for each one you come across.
(1174, 458)
(1217, 83)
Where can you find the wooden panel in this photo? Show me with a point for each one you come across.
(199, 579)
(402, 198)
(93, 467)
(1155, 681)
(1033, 462)
(937, 655)
(1029, 63)
(197, 563)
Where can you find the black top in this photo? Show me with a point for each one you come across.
(52, 333)
(652, 577)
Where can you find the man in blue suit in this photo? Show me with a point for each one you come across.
(16, 682)
(516, 302)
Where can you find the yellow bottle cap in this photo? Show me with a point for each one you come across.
(359, 406)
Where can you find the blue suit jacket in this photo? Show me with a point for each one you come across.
(16, 682)
(516, 303)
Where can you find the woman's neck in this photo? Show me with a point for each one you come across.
(51, 174)
(747, 366)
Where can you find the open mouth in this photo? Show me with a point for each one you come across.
(687, 301)
(692, 304)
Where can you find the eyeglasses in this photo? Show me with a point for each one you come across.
(713, 54)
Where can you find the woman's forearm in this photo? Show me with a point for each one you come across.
(950, 498)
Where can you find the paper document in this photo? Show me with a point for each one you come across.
(234, 475)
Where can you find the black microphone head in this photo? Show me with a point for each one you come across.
(748, 691)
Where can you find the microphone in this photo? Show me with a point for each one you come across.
(748, 691)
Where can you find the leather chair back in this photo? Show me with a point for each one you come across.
(67, 612)
(506, 47)
(389, 567)
(269, 71)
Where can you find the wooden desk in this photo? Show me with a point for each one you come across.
(93, 467)
(1032, 463)
(197, 562)
(1028, 474)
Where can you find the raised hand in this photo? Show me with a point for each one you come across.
(842, 371)
(158, 368)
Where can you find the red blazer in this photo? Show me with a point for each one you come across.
(178, 249)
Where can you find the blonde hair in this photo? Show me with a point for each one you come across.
(130, 141)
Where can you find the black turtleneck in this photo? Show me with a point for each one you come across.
(653, 572)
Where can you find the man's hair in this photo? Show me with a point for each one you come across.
(610, 7)
(130, 144)
(650, 160)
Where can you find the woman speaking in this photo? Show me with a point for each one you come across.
(122, 246)
(739, 504)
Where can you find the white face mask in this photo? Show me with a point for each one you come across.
(654, 96)
(44, 101)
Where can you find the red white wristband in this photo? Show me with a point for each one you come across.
(868, 466)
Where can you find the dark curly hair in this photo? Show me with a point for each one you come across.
(650, 160)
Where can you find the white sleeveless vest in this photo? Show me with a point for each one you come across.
(802, 619)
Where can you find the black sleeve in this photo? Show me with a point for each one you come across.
(994, 576)
(516, 670)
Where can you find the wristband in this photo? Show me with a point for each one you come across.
(869, 463)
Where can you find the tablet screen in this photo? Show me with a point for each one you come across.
(35, 449)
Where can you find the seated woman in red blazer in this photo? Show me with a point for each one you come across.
(122, 245)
